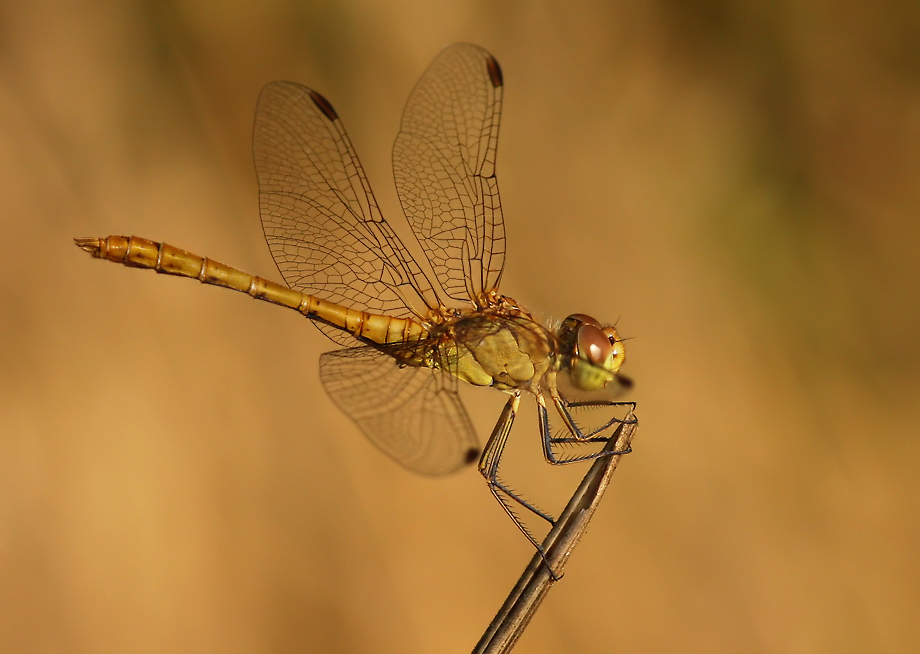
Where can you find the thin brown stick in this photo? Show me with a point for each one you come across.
(527, 595)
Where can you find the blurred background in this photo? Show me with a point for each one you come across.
(735, 183)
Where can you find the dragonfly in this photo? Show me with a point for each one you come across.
(412, 327)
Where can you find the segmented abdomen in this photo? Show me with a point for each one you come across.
(140, 252)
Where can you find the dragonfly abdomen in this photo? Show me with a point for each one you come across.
(369, 326)
(138, 252)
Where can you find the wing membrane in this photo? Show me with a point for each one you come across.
(321, 220)
(413, 414)
(444, 165)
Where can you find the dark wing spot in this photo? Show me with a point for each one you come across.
(472, 455)
(495, 72)
(324, 105)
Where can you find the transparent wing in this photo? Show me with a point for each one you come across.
(320, 218)
(413, 414)
(444, 165)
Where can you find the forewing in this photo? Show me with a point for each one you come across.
(321, 220)
(413, 414)
(444, 165)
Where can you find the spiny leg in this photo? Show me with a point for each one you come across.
(577, 435)
(488, 468)
(565, 405)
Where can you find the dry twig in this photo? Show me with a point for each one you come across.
(527, 595)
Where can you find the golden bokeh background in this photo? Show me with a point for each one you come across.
(735, 182)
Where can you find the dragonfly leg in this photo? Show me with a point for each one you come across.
(564, 406)
(577, 435)
(488, 468)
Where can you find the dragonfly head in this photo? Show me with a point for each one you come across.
(593, 353)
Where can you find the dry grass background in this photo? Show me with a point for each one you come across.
(737, 182)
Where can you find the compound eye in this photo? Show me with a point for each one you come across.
(583, 319)
(593, 344)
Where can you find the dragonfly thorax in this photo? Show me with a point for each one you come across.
(501, 346)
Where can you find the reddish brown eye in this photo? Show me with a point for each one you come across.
(583, 319)
(593, 344)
